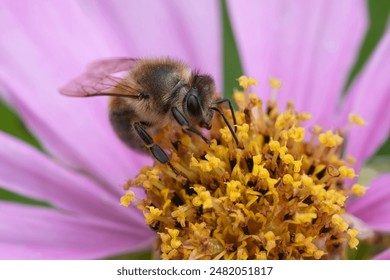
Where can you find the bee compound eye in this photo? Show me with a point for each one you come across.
(193, 105)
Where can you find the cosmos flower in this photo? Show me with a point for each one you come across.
(267, 195)
(83, 165)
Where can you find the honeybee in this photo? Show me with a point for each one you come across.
(147, 94)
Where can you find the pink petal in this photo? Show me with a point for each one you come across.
(309, 45)
(374, 207)
(28, 172)
(37, 233)
(385, 255)
(369, 97)
(46, 44)
(181, 29)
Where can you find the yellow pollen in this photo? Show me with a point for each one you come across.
(274, 145)
(275, 83)
(353, 118)
(261, 255)
(207, 165)
(153, 215)
(175, 243)
(279, 194)
(298, 134)
(318, 254)
(180, 215)
(127, 198)
(301, 218)
(350, 159)
(317, 130)
(306, 180)
(330, 139)
(173, 232)
(203, 198)
(304, 116)
(299, 238)
(353, 241)
(297, 165)
(165, 237)
(288, 179)
(242, 132)
(284, 120)
(347, 172)
(260, 171)
(246, 82)
(226, 135)
(257, 159)
(239, 97)
(284, 135)
(270, 237)
(233, 190)
(358, 189)
(339, 222)
(288, 159)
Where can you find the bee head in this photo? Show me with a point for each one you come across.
(198, 101)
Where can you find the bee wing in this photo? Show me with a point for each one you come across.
(99, 79)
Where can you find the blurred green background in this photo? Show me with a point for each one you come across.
(379, 14)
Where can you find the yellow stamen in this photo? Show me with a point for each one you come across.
(233, 190)
(270, 237)
(246, 82)
(353, 118)
(358, 189)
(127, 198)
(203, 198)
(279, 194)
(353, 241)
(153, 215)
(339, 222)
(330, 139)
(275, 83)
(347, 172)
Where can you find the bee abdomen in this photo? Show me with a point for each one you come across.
(122, 122)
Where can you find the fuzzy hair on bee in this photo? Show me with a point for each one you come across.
(148, 94)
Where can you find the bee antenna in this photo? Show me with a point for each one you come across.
(227, 100)
(227, 123)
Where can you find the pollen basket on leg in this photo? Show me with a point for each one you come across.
(275, 195)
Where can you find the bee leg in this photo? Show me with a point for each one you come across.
(157, 152)
(179, 117)
(223, 100)
(227, 123)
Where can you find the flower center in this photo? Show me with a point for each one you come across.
(280, 194)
